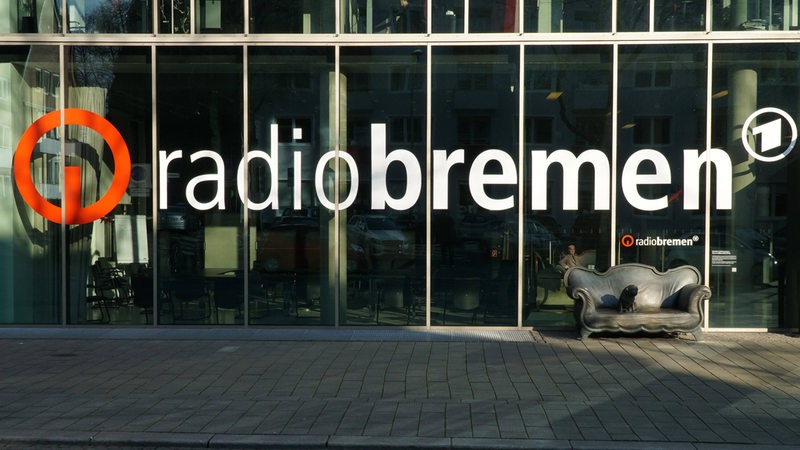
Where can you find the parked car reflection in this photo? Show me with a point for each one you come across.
(473, 227)
(502, 239)
(180, 217)
(299, 245)
(379, 237)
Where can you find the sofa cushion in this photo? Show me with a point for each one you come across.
(667, 319)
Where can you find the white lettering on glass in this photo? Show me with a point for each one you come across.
(380, 165)
(491, 167)
(570, 165)
(631, 179)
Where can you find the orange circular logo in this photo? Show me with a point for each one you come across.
(627, 241)
(74, 212)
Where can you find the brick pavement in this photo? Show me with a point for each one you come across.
(199, 388)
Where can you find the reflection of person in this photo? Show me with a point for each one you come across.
(571, 259)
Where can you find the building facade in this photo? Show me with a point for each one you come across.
(391, 162)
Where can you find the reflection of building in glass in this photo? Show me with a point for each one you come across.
(471, 135)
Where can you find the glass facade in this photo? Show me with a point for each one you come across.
(261, 163)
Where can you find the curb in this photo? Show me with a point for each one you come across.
(105, 439)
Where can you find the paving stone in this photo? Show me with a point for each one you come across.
(731, 390)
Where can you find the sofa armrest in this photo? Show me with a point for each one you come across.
(691, 296)
(586, 301)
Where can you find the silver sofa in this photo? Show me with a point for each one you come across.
(670, 301)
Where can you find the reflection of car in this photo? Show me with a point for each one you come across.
(178, 217)
(728, 252)
(549, 222)
(299, 248)
(502, 238)
(751, 236)
(473, 227)
(378, 235)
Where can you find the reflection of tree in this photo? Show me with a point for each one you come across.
(590, 137)
(93, 66)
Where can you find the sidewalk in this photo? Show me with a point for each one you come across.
(362, 388)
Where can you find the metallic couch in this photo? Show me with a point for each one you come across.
(670, 301)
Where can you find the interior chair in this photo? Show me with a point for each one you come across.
(110, 287)
(191, 296)
(229, 294)
(142, 289)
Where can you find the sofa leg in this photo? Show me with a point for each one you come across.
(698, 335)
(585, 334)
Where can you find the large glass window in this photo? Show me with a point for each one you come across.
(558, 16)
(383, 96)
(395, 16)
(755, 98)
(633, 15)
(174, 16)
(30, 245)
(755, 15)
(280, 16)
(219, 16)
(567, 153)
(490, 16)
(660, 171)
(293, 266)
(108, 258)
(202, 243)
(666, 15)
(475, 226)
(680, 15)
(106, 16)
(29, 16)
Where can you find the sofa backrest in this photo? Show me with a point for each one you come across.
(656, 289)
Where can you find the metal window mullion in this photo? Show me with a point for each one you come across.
(64, 18)
(192, 20)
(154, 22)
(429, 16)
(154, 177)
(614, 13)
(246, 15)
(429, 180)
(651, 16)
(707, 215)
(466, 16)
(246, 187)
(337, 17)
(520, 183)
(62, 152)
(336, 211)
(614, 144)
